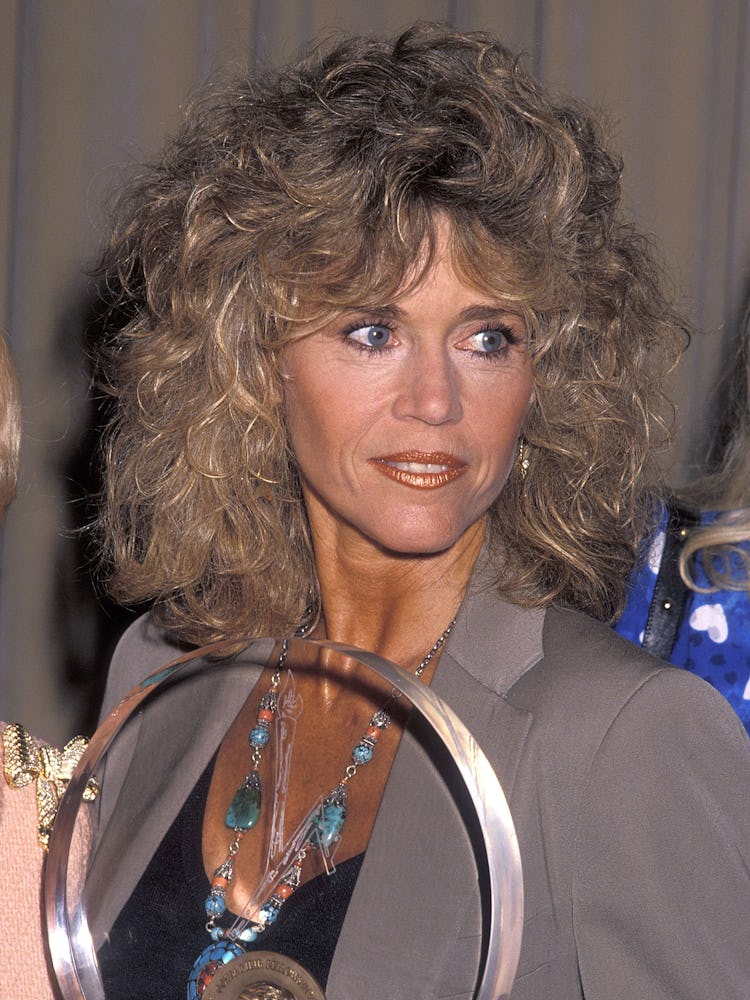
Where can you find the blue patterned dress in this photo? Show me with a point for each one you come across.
(713, 639)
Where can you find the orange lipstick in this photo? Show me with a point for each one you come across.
(420, 470)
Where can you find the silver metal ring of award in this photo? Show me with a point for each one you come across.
(263, 975)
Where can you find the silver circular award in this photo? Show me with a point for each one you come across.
(148, 755)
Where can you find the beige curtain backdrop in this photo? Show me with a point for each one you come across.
(88, 87)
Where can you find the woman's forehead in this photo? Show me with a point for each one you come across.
(393, 274)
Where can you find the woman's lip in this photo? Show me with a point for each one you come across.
(419, 469)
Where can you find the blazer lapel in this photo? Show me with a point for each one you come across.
(418, 892)
(152, 767)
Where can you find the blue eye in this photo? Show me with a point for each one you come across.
(372, 335)
(489, 341)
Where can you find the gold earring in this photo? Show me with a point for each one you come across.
(262, 487)
(523, 458)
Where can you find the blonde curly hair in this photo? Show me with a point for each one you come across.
(288, 197)
(723, 546)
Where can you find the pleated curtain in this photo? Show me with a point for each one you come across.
(90, 87)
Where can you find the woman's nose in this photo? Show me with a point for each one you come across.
(429, 389)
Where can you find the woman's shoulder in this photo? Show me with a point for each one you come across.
(143, 648)
(600, 705)
(579, 646)
(589, 673)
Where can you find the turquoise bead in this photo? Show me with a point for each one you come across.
(244, 810)
(204, 967)
(259, 736)
(269, 912)
(362, 753)
(215, 905)
(327, 824)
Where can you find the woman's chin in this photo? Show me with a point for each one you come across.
(428, 541)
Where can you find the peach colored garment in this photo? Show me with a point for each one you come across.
(26, 971)
(25, 968)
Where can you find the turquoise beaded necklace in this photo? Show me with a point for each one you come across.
(321, 830)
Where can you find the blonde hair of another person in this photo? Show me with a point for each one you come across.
(10, 427)
(723, 548)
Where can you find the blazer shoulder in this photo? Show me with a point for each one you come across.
(143, 648)
(589, 674)
(596, 645)
(585, 677)
(583, 656)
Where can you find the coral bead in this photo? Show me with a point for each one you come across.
(284, 891)
(373, 733)
(265, 715)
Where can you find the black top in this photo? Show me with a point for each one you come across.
(161, 930)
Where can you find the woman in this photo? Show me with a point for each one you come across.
(389, 377)
(690, 600)
(19, 820)
(34, 777)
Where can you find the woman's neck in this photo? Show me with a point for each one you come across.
(394, 605)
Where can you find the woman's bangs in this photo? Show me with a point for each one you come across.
(366, 267)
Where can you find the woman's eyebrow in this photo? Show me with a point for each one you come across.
(477, 312)
(487, 312)
(375, 310)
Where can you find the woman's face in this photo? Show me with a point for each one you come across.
(404, 419)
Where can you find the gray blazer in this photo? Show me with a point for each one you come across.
(627, 781)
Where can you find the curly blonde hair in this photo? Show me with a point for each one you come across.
(724, 545)
(286, 199)
(10, 427)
